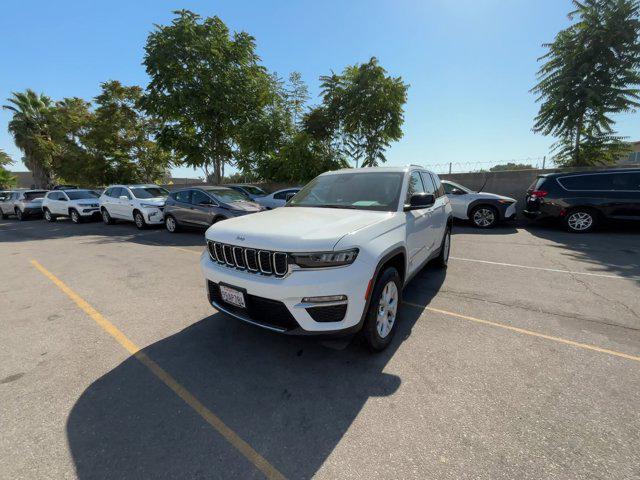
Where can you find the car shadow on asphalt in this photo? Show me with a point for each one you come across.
(613, 249)
(290, 398)
(34, 229)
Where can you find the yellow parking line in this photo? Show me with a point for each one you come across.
(531, 333)
(212, 419)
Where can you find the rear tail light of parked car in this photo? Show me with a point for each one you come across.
(539, 193)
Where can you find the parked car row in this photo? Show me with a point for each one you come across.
(336, 258)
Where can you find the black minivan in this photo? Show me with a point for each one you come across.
(582, 200)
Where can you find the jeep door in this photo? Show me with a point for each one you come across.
(202, 206)
(439, 215)
(420, 235)
(179, 206)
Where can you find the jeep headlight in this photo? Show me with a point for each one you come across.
(324, 259)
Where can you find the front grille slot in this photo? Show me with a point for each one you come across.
(280, 263)
(251, 258)
(264, 262)
(238, 256)
(219, 253)
(228, 255)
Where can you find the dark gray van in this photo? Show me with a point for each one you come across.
(204, 206)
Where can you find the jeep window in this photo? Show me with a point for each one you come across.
(587, 182)
(627, 181)
(415, 186)
(81, 194)
(149, 192)
(254, 190)
(450, 186)
(378, 191)
(34, 195)
(225, 195)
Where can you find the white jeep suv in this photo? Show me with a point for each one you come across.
(141, 204)
(336, 258)
(76, 204)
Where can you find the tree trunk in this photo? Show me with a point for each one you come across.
(576, 148)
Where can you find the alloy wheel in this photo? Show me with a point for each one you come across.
(580, 221)
(484, 217)
(171, 224)
(387, 309)
(47, 215)
(139, 221)
(75, 218)
(105, 216)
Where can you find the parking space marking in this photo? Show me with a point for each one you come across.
(212, 419)
(555, 270)
(531, 333)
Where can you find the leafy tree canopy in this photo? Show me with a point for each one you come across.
(590, 72)
(206, 87)
(363, 109)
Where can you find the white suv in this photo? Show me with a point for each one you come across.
(76, 204)
(141, 204)
(336, 258)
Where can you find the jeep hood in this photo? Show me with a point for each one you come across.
(293, 229)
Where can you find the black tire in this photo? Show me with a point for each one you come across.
(48, 216)
(3, 215)
(75, 216)
(442, 260)
(484, 216)
(138, 219)
(171, 224)
(20, 215)
(581, 220)
(372, 336)
(106, 218)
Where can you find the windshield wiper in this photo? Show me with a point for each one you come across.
(330, 205)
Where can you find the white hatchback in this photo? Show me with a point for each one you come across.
(141, 204)
(74, 203)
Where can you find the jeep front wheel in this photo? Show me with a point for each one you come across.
(384, 307)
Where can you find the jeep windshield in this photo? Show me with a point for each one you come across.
(358, 190)
(149, 192)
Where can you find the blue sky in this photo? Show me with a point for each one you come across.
(470, 63)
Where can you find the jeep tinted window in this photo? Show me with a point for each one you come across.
(587, 182)
(626, 181)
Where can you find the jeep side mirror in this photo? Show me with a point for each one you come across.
(457, 191)
(290, 196)
(420, 200)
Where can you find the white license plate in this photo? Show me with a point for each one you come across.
(232, 296)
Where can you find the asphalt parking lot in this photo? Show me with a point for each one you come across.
(522, 361)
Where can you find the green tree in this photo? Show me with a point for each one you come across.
(30, 129)
(590, 72)
(363, 109)
(119, 141)
(7, 180)
(206, 87)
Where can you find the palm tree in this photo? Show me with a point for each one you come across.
(30, 129)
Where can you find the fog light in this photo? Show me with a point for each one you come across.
(326, 299)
